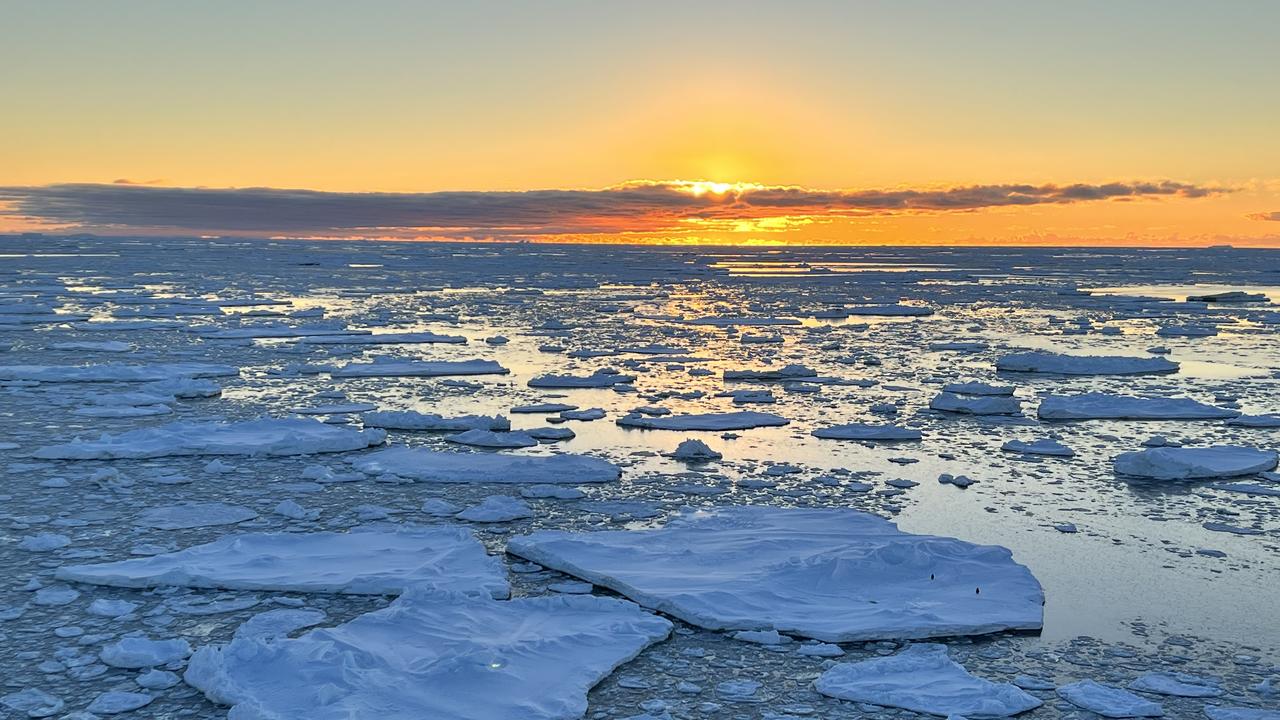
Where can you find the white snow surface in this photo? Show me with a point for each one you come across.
(830, 574)
(265, 436)
(1108, 701)
(976, 404)
(866, 431)
(419, 368)
(426, 465)
(1193, 463)
(1096, 405)
(1063, 364)
(114, 372)
(433, 654)
(742, 420)
(365, 561)
(922, 678)
(411, 420)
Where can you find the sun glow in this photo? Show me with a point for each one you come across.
(699, 188)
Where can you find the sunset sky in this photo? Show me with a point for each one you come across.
(800, 122)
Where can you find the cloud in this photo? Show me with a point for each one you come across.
(635, 207)
(1265, 216)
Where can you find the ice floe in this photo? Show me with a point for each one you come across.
(1063, 364)
(473, 467)
(1096, 406)
(418, 368)
(410, 420)
(366, 561)
(434, 655)
(286, 436)
(1107, 701)
(924, 679)
(1043, 446)
(112, 372)
(829, 574)
(1194, 463)
(741, 420)
(976, 404)
(865, 431)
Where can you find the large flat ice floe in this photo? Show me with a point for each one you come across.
(478, 467)
(411, 420)
(742, 420)
(114, 372)
(363, 561)
(285, 436)
(1194, 463)
(419, 368)
(922, 678)
(432, 654)
(1062, 364)
(404, 338)
(834, 575)
(1099, 406)
(865, 431)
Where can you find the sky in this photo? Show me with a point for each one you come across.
(904, 122)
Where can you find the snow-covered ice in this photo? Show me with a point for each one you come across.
(1195, 463)
(865, 431)
(364, 561)
(432, 654)
(1108, 701)
(475, 467)
(922, 678)
(829, 574)
(741, 420)
(1095, 405)
(1064, 364)
(267, 436)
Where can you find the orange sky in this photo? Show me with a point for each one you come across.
(411, 97)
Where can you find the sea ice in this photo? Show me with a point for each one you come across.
(740, 420)
(364, 561)
(140, 652)
(977, 404)
(112, 372)
(1177, 685)
(432, 654)
(597, 379)
(1108, 701)
(1193, 463)
(410, 420)
(830, 574)
(489, 439)
(1062, 364)
(497, 508)
(1043, 446)
(1096, 405)
(418, 368)
(693, 450)
(865, 431)
(267, 436)
(922, 678)
(193, 515)
(474, 467)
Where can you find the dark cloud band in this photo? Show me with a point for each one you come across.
(631, 207)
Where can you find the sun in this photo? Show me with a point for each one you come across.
(699, 188)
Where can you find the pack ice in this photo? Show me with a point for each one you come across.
(114, 372)
(267, 436)
(418, 368)
(434, 654)
(830, 574)
(1098, 406)
(742, 420)
(922, 678)
(1063, 364)
(865, 431)
(1193, 463)
(365, 561)
(475, 467)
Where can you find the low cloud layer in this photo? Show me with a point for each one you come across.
(1266, 216)
(637, 207)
